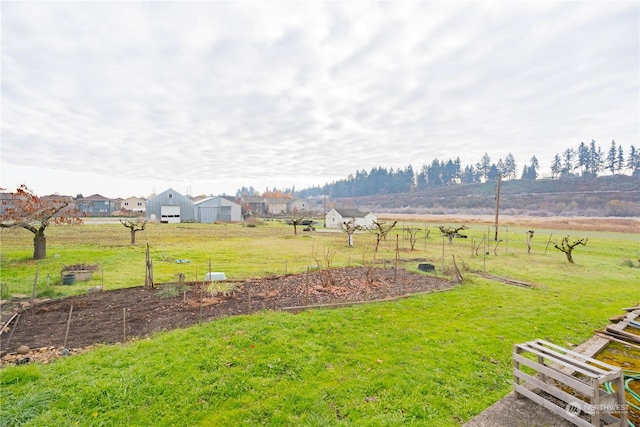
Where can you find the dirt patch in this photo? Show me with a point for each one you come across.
(113, 316)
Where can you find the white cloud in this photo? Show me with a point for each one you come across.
(216, 95)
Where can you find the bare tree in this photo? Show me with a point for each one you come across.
(295, 220)
(476, 248)
(412, 232)
(324, 262)
(138, 225)
(567, 247)
(451, 232)
(350, 227)
(381, 229)
(23, 209)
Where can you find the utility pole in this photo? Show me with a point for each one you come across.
(497, 205)
(324, 208)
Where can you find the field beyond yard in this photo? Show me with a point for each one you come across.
(432, 359)
(569, 223)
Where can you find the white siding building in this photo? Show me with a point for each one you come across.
(170, 207)
(335, 217)
(216, 209)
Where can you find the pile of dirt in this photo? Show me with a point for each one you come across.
(116, 316)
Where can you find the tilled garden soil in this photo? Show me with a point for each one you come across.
(113, 316)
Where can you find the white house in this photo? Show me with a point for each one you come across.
(216, 209)
(335, 217)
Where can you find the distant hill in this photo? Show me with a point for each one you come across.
(602, 196)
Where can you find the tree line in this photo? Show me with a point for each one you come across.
(591, 161)
(588, 161)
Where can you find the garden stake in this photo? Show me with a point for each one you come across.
(66, 335)
(425, 236)
(35, 282)
(548, 241)
(484, 252)
(443, 254)
(395, 270)
(249, 297)
(124, 324)
(201, 297)
(306, 288)
(15, 326)
(506, 240)
(8, 322)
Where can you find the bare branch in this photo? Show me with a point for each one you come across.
(567, 246)
(452, 232)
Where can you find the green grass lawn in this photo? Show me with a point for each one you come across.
(435, 359)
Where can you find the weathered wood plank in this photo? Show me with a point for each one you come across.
(552, 407)
(572, 382)
(559, 364)
(547, 388)
(586, 359)
(583, 368)
(623, 334)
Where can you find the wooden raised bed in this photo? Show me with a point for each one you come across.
(569, 384)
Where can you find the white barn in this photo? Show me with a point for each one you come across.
(335, 217)
(216, 209)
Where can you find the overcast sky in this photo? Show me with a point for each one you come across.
(129, 98)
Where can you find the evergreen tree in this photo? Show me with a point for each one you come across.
(502, 170)
(612, 158)
(458, 168)
(493, 173)
(535, 166)
(531, 172)
(620, 161)
(556, 166)
(595, 159)
(469, 175)
(510, 166)
(449, 173)
(434, 173)
(567, 161)
(484, 166)
(583, 158)
(633, 161)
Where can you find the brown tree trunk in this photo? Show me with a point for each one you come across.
(39, 244)
(133, 236)
(569, 257)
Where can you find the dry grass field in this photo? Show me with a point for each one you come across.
(607, 224)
